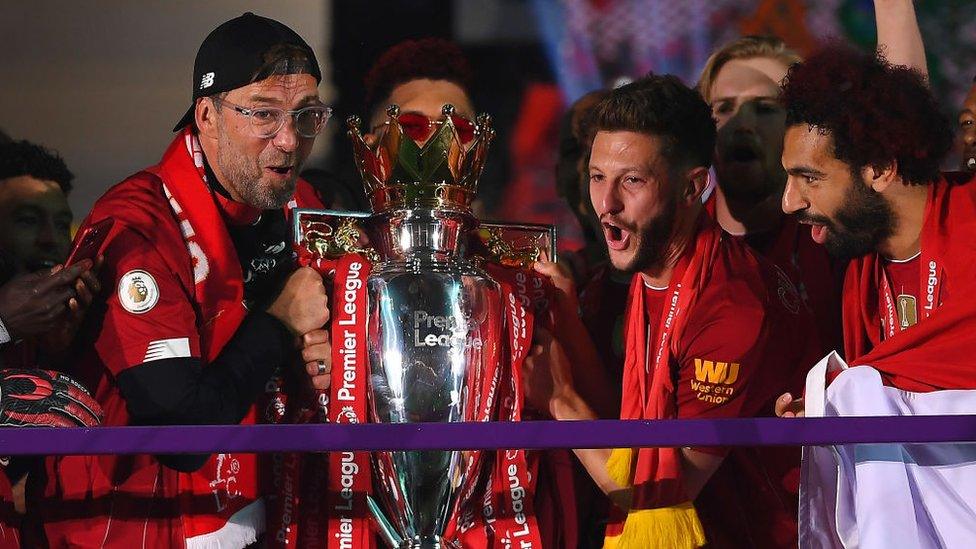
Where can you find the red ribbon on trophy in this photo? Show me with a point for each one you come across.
(349, 472)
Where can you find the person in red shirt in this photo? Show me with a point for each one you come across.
(41, 305)
(602, 301)
(204, 305)
(741, 82)
(864, 142)
(421, 76)
(712, 331)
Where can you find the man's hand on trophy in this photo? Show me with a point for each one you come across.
(546, 373)
(562, 279)
(303, 304)
(565, 306)
(599, 392)
(317, 357)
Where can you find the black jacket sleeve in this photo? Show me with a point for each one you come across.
(180, 391)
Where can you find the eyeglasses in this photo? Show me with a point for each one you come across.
(267, 121)
(419, 128)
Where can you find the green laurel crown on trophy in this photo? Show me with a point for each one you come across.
(441, 173)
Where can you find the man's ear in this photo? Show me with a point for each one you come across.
(205, 116)
(695, 182)
(880, 178)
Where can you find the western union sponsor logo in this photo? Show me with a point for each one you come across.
(709, 371)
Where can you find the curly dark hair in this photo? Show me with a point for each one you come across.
(19, 158)
(664, 107)
(431, 58)
(877, 113)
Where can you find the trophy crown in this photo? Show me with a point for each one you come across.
(418, 163)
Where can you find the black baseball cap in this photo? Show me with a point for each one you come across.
(234, 51)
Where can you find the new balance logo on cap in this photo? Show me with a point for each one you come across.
(207, 81)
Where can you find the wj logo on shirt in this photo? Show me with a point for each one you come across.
(713, 380)
(708, 371)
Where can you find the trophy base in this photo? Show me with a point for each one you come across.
(434, 542)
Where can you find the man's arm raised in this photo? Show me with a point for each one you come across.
(899, 37)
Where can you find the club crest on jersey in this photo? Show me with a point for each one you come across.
(138, 291)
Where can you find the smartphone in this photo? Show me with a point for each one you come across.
(88, 244)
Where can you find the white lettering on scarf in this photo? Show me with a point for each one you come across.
(931, 282)
(201, 266)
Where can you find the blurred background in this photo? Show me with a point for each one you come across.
(103, 82)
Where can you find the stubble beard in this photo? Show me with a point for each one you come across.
(246, 179)
(652, 242)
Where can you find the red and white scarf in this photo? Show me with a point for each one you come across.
(231, 480)
(937, 352)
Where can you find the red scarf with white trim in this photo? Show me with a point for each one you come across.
(231, 480)
(936, 353)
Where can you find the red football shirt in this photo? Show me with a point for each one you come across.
(147, 311)
(903, 278)
(748, 339)
(791, 248)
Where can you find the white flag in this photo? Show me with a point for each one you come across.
(871, 496)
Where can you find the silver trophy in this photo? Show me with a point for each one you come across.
(435, 318)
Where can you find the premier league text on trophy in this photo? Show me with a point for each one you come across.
(453, 332)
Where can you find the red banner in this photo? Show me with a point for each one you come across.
(349, 472)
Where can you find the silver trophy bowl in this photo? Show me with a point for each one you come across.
(433, 332)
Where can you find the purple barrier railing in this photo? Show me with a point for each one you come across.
(526, 434)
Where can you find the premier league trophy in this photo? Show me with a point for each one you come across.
(434, 327)
(433, 324)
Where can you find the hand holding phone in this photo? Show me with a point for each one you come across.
(89, 243)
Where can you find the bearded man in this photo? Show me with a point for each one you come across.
(864, 143)
(205, 305)
(711, 331)
(741, 81)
